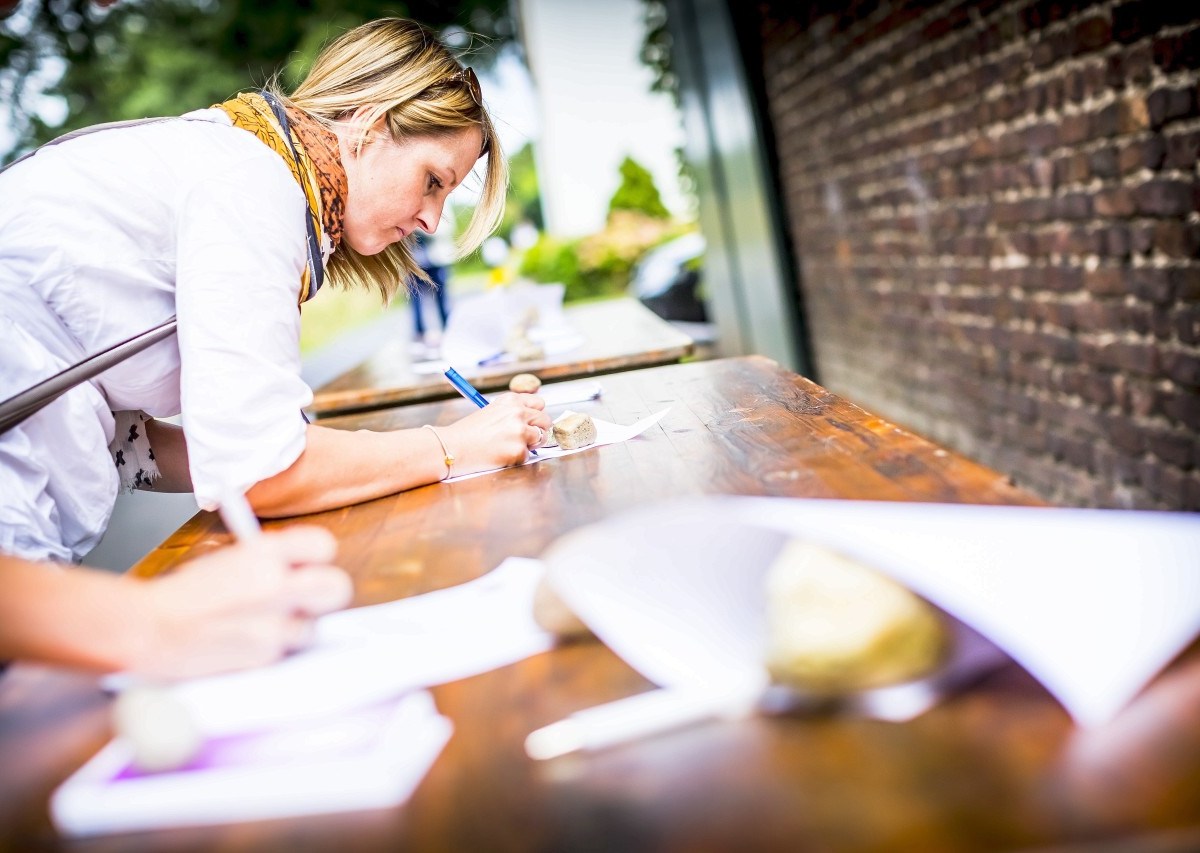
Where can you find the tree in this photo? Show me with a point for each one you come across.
(637, 192)
(524, 194)
(137, 58)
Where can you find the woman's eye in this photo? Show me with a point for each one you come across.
(434, 183)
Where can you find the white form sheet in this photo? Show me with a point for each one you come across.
(368, 654)
(1093, 603)
(606, 433)
(365, 758)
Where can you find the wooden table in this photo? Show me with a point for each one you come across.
(620, 334)
(999, 767)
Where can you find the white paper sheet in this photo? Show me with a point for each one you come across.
(606, 433)
(480, 324)
(368, 654)
(566, 393)
(366, 758)
(1093, 603)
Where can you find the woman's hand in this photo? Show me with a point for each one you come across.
(342, 467)
(243, 606)
(497, 435)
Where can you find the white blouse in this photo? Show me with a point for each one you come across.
(107, 235)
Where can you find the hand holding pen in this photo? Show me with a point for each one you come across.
(521, 412)
(244, 604)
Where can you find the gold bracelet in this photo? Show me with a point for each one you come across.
(449, 457)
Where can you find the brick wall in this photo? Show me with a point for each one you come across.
(994, 207)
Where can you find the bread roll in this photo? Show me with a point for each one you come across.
(574, 431)
(524, 383)
(835, 626)
(158, 728)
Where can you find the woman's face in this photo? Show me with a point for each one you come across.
(397, 187)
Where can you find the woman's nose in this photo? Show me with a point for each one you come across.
(430, 215)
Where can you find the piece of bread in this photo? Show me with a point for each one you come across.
(158, 728)
(836, 626)
(552, 614)
(574, 431)
(524, 383)
(526, 350)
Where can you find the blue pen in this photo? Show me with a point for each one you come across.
(465, 388)
(468, 390)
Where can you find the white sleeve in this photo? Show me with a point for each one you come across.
(241, 253)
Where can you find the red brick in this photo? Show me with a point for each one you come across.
(1176, 447)
(1135, 20)
(1172, 238)
(1117, 242)
(1073, 128)
(1106, 281)
(1185, 283)
(1162, 197)
(1134, 357)
(1176, 52)
(1183, 149)
(1115, 201)
(1139, 65)
(1183, 368)
(1166, 105)
(1103, 162)
(1092, 34)
(1103, 123)
(1125, 434)
(1183, 408)
(1142, 236)
(1142, 399)
(1152, 284)
(1133, 115)
(1187, 324)
(1140, 154)
(1191, 500)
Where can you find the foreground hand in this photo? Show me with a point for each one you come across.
(245, 605)
(499, 434)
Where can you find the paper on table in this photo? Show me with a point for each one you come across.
(606, 433)
(480, 324)
(565, 393)
(366, 758)
(368, 654)
(1093, 603)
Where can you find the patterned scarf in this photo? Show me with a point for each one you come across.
(319, 171)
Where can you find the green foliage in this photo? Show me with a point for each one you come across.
(524, 202)
(655, 54)
(637, 192)
(553, 260)
(164, 57)
(599, 264)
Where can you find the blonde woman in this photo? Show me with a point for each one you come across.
(228, 219)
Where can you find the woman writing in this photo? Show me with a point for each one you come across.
(227, 219)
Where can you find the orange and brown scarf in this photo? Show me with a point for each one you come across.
(317, 166)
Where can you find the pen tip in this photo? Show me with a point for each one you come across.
(553, 740)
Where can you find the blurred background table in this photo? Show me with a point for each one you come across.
(619, 334)
(998, 767)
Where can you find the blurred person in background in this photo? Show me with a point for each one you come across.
(434, 254)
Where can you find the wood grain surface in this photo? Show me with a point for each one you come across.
(999, 767)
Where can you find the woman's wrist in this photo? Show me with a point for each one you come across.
(448, 457)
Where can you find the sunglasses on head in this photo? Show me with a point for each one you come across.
(467, 75)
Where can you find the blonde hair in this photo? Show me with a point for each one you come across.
(401, 72)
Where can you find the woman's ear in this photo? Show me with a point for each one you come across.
(358, 132)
